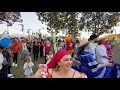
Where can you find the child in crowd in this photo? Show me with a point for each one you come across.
(28, 66)
(49, 57)
(59, 46)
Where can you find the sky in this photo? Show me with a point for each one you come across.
(30, 21)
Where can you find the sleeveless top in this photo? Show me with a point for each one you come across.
(45, 74)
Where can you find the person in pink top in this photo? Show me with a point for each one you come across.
(46, 47)
(109, 50)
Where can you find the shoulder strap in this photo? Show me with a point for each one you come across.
(52, 73)
(73, 73)
(49, 73)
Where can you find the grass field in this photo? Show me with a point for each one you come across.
(19, 72)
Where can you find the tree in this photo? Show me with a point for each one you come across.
(59, 20)
(99, 22)
(96, 22)
(10, 17)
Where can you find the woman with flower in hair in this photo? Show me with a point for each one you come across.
(59, 67)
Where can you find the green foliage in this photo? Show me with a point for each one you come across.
(96, 22)
(59, 20)
(10, 17)
(99, 22)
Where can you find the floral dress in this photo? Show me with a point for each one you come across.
(46, 74)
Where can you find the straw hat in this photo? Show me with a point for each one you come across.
(106, 39)
(99, 39)
(84, 42)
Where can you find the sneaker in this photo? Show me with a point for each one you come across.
(13, 64)
(16, 65)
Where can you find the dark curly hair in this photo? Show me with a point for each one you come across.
(92, 37)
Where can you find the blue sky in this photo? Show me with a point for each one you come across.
(30, 21)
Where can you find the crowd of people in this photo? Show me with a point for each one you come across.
(95, 56)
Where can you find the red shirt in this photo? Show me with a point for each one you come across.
(47, 48)
(15, 48)
(69, 45)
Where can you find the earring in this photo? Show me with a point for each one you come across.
(57, 67)
(58, 64)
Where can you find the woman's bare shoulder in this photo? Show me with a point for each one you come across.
(80, 75)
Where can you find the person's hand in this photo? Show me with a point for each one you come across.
(27, 66)
(41, 66)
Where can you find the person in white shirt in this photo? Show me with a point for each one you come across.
(1, 60)
(28, 66)
(92, 45)
(101, 52)
(24, 50)
(92, 49)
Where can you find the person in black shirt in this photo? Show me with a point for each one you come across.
(36, 45)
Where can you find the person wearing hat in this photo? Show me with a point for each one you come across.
(59, 67)
(69, 46)
(15, 48)
(4, 43)
(92, 68)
